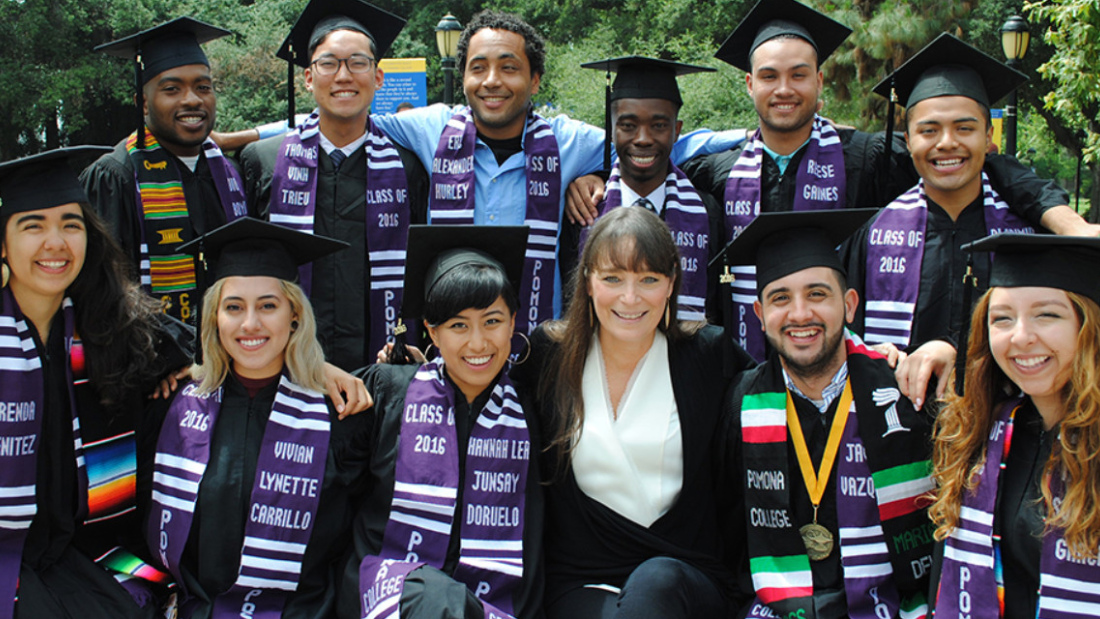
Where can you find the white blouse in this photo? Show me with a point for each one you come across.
(633, 464)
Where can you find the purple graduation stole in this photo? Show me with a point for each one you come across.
(165, 221)
(452, 202)
(686, 216)
(23, 384)
(294, 202)
(895, 252)
(289, 475)
(425, 496)
(821, 185)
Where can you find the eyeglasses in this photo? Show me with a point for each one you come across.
(330, 65)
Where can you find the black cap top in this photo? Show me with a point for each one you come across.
(172, 44)
(45, 180)
(433, 250)
(773, 18)
(250, 247)
(1070, 263)
(949, 67)
(321, 17)
(783, 243)
(638, 77)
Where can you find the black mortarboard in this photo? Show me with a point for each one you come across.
(250, 247)
(949, 67)
(45, 180)
(1070, 263)
(779, 244)
(321, 17)
(773, 18)
(434, 250)
(638, 77)
(172, 44)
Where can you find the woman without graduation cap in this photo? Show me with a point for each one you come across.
(452, 526)
(78, 353)
(1015, 456)
(247, 473)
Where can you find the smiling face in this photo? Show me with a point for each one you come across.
(254, 325)
(948, 138)
(344, 97)
(785, 84)
(498, 82)
(803, 315)
(180, 108)
(474, 345)
(1033, 338)
(45, 251)
(645, 130)
(628, 304)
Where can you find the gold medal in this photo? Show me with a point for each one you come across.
(818, 541)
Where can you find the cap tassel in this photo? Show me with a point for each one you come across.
(290, 92)
(888, 139)
(970, 282)
(200, 291)
(607, 124)
(139, 88)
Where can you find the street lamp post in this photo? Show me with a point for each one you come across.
(1014, 40)
(446, 38)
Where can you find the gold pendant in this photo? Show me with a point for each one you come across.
(818, 541)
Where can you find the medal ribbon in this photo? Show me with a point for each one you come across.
(816, 483)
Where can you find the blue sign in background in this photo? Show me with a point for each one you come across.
(404, 79)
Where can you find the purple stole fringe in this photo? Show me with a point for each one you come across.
(294, 202)
(425, 498)
(287, 489)
(895, 252)
(23, 386)
(821, 185)
(452, 202)
(1068, 587)
(687, 219)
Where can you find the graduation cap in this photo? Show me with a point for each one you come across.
(1044, 260)
(779, 244)
(773, 18)
(319, 18)
(434, 250)
(45, 180)
(947, 67)
(250, 247)
(639, 77)
(172, 44)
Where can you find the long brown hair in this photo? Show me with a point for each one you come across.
(962, 428)
(631, 239)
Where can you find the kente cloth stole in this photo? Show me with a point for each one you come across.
(286, 492)
(167, 273)
(882, 471)
(425, 498)
(686, 216)
(895, 252)
(821, 184)
(294, 203)
(971, 583)
(452, 202)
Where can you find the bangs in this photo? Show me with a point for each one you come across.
(468, 286)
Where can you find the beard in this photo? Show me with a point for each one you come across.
(817, 365)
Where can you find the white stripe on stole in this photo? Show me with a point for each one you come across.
(448, 214)
(886, 323)
(442, 492)
(904, 490)
(538, 224)
(295, 221)
(763, 417)
(386, 165)
(383, 271)
(972, 537)
(388, 254)
(492, 544)
(256, 582)
(863, 550)
(976, 515)
(386, 608)
(9, 511)
(692, 300)
(381, 284)
(422, 523)
(274, 545)
(272, 565)
(17, 491)
(860, 532)
(897, 340)
(424, 506)
(916, 613)
(970, 558)
(171, 501)
(503, 420)
(1069, 584)
(184, 464)
(456, 123)
(891, 306)
(289, 421)
(178, 483)
(875, 570)
(783, 580)
(11, 364)
(13, 341)
(1084, 609)
(15, 525)
(494, 565)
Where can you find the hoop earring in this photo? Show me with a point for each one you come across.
(293, 326)
(591, 314)
(428, 349)
(527, 349)
(668, 312)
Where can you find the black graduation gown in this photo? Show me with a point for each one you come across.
(939, 313)
(1019, 515)
(58, 577)
(388, 385)
(211, 558)
(110, 185)
(341, 281)
(588, 543)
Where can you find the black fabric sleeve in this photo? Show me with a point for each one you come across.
(1026, 194)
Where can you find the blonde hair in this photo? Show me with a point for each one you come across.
(304, 357)
(961, 431)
